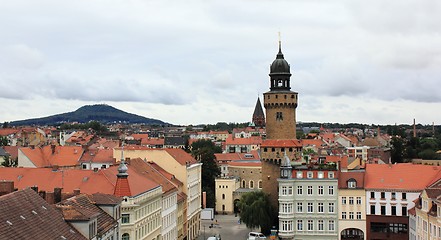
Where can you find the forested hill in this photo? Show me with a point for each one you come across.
(100, 112)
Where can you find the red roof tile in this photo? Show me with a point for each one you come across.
(48, 156)
(403, 176)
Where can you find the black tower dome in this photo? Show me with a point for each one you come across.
(280, 73)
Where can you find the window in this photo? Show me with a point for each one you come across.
(286, 225)
(330, 175)
(320, 190)
(309, 175)
(309, 190)
(310, 225)
(351, 200)
(393, 210)
(92, 229)
(351, 215)
(251, 184)
(343, 215)
(279, 116)
(331, 207)
(404, 211)
(260, 184)
(425, 205)
(320, 225)
(393, 195)
(320, 207)
(352, 183)
(331, 225)
(299, 207)
(299, 190)
(372, 194)
(372, 209)
(358, 200)
(358, 215)
(125, 218)
(299, 225)
(299, 174)
(223, 196)
(310, 207)
(243, 183)
(125, 236)
(286, 207)
(330, 190)
(343, 200)
(383, 195)
(320, 174)
(286, 190)
(383, 210)
(403, 195)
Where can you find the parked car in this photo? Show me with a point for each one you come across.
(256, 236)
(216, 237)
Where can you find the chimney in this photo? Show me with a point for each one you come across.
(57, 195)
(50, 198)
(53, 148)
(414, 129)
(42, 194)
(76, 192)
(378, 131)
(6, 187)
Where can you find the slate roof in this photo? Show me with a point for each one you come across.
(174, 141)
(25, 215)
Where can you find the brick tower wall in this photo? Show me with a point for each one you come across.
(280, 102)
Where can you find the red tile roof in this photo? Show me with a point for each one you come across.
(122, 187)
(7, 131)
(237, 156)
(12, 150)
(253, 140)
(180, 156)
(281, 143)
(60, 155)
(312, 142)
(403, 176)
(345, 176)
(98, 156)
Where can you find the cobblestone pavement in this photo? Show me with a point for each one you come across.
(227, 226)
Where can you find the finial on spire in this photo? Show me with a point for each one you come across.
(122, 151)
(280, 43)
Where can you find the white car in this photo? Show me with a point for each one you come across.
(256, 236)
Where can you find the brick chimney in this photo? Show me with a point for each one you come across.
(57, 195)
(6, 187)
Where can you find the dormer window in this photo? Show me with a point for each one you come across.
(352, 183)
(309, 175)
(330, 175)
(299, 174)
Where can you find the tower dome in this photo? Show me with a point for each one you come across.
(279, 65)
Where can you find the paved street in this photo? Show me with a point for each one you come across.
(228, 228)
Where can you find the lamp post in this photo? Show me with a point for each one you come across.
(273, 233)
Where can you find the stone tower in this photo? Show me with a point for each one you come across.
(281, 143)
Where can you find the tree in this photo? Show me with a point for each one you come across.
(8, 162)
(256, 211)
(4, 141)
(203, 151)
(397, 150)
(5, 125)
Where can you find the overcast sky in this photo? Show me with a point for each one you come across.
(191, 62)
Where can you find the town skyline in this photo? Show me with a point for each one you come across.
(203, 63)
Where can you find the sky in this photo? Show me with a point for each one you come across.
(200, 61)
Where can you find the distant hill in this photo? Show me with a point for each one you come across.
(101, 112)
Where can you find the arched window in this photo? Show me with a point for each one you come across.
(260, 184)
(125, 236)
(251, 184)
(223, 196)
(243, 183)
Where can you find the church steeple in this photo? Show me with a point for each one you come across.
(258, 115)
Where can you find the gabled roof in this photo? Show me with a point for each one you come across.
(314, 142)
(253, 155)
(98, 156)
(402, 176)
(152, 141)
(12, 150)
(51, 155)
(174, 141)
(87, 181)
(82, 207)
(25, 215)
(149, 171)
(180, 156)
(7, 131)
(281, 143)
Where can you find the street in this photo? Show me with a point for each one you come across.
(227, 226)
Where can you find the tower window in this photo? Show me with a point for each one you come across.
(279, 116)
(280, 83)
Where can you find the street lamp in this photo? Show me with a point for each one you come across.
(273, 233)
